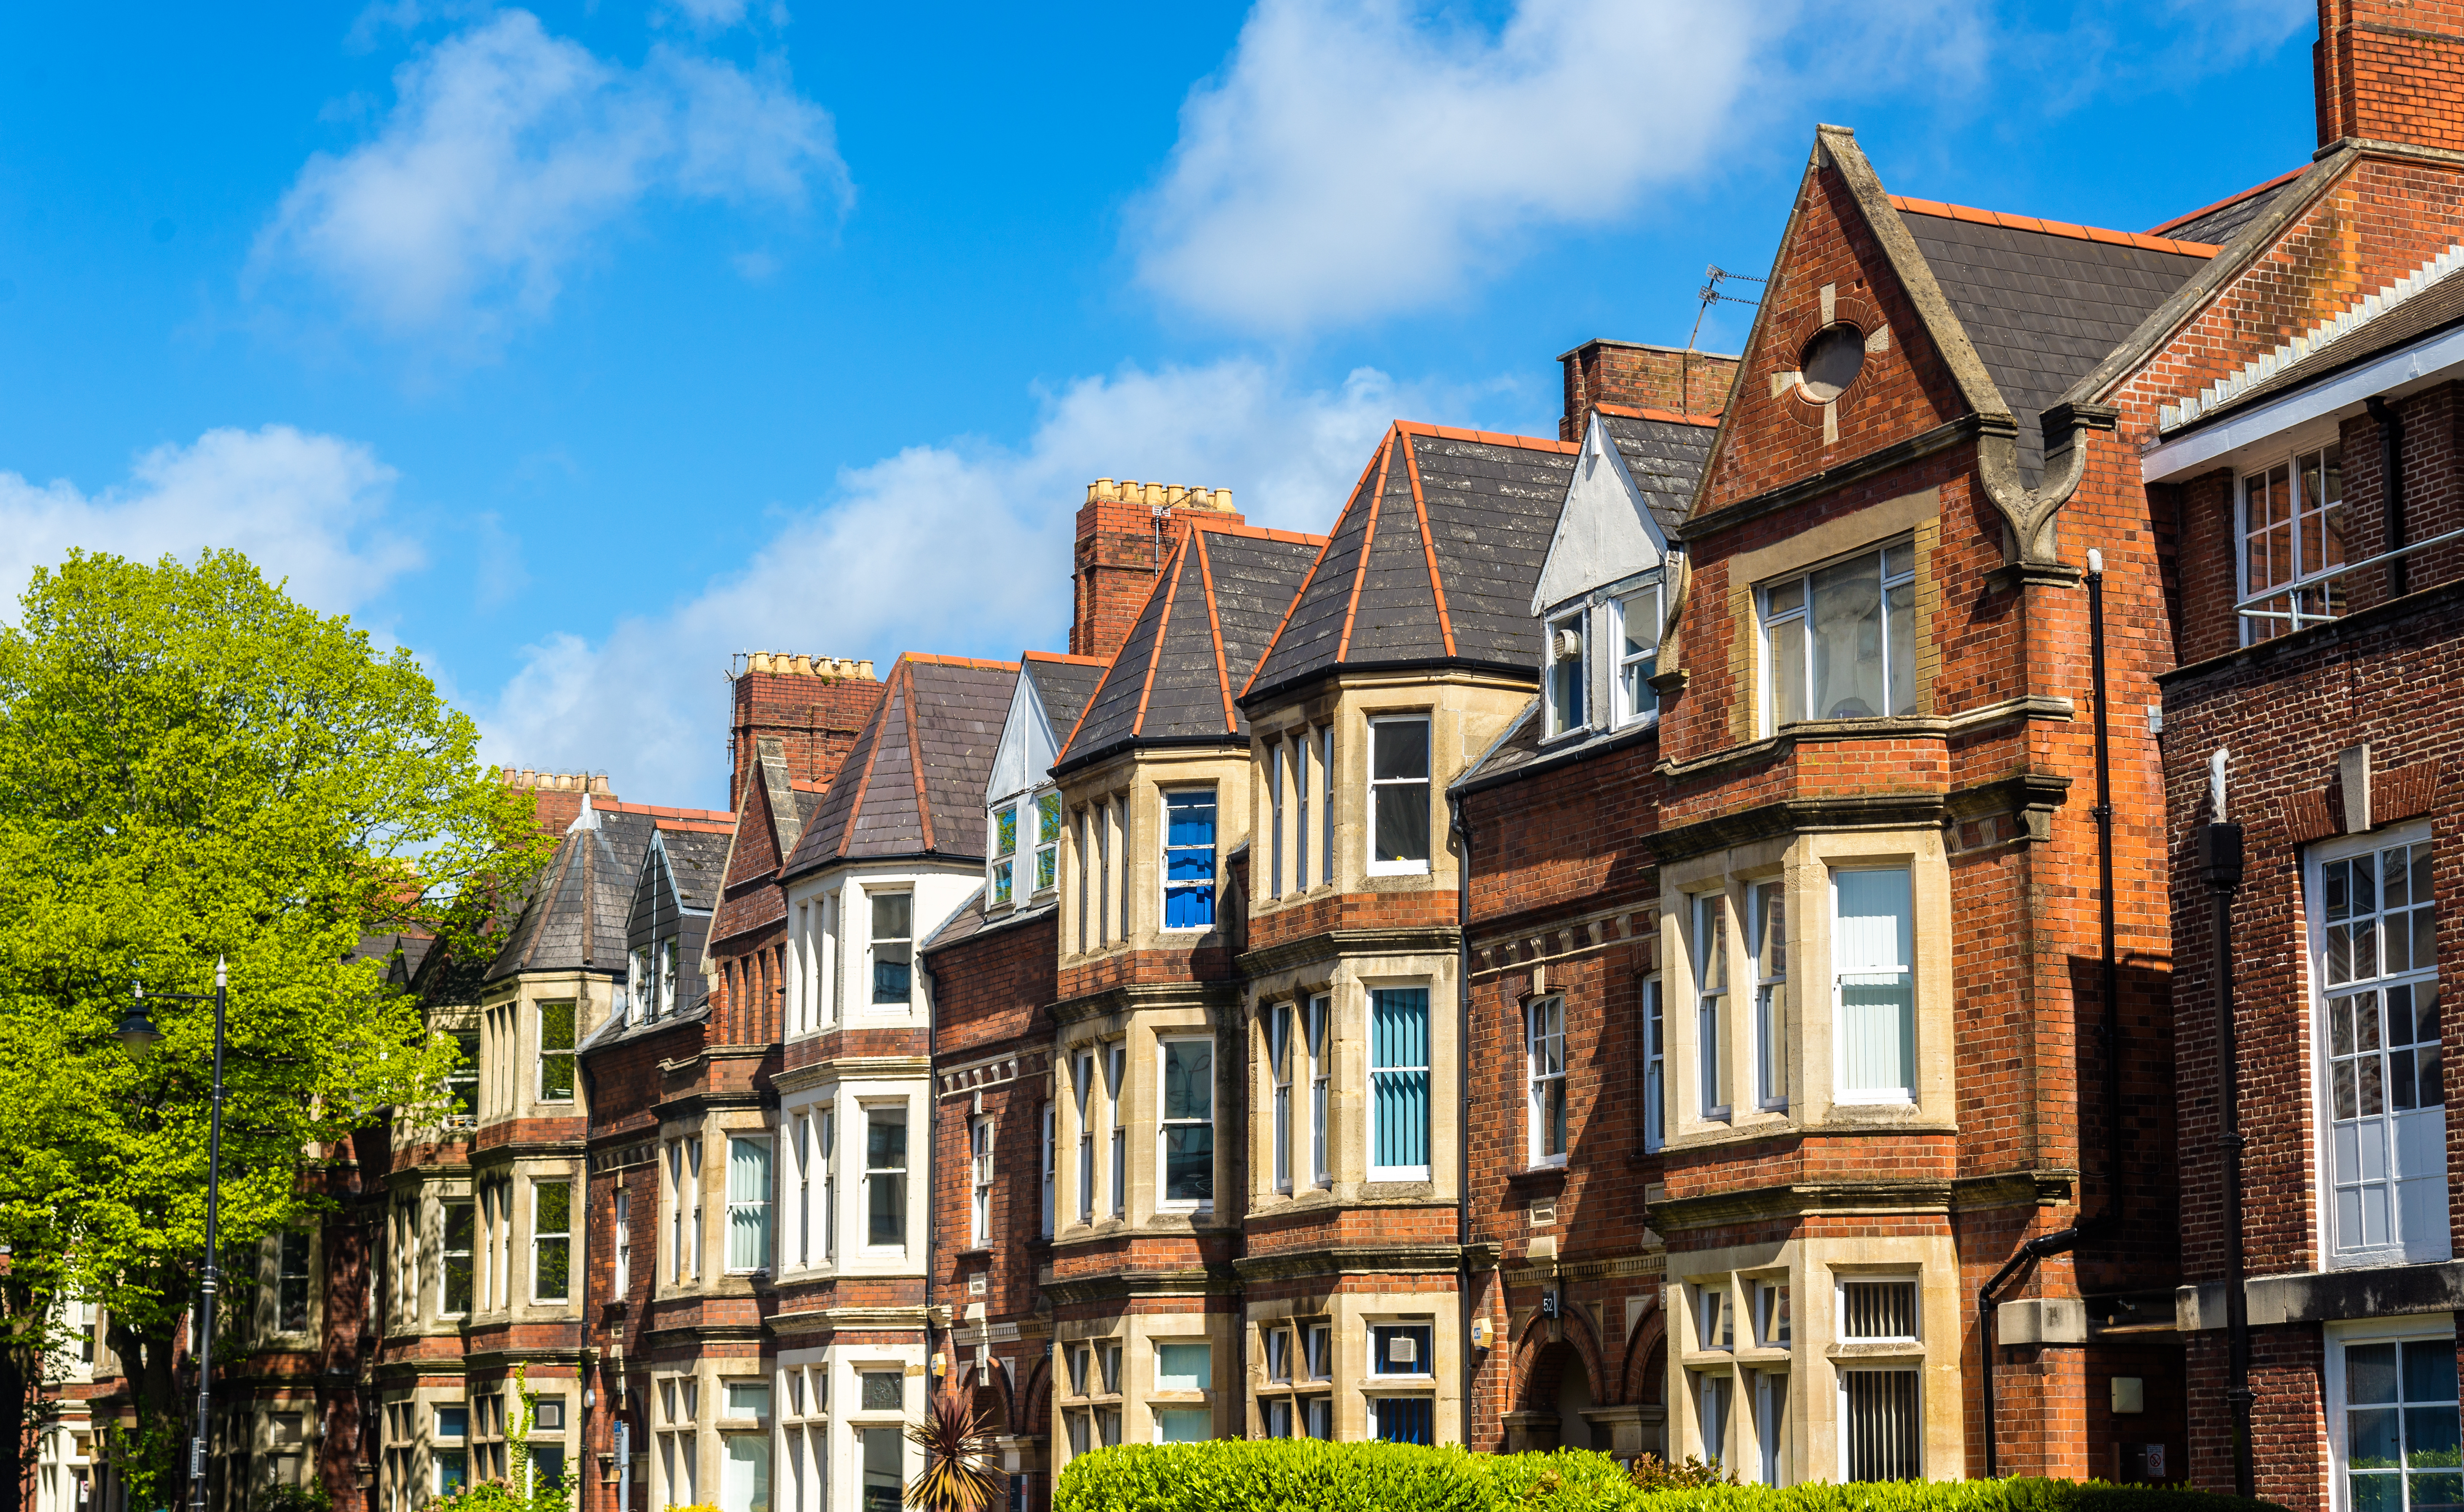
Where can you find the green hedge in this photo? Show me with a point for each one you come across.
(1308, 1475)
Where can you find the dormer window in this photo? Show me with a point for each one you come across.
(1568, 675)
(1004, 852)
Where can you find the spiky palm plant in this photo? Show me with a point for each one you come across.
(959, 1474)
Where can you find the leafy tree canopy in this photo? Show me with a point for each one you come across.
(193, 766)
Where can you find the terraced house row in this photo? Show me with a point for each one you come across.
(1697, 934)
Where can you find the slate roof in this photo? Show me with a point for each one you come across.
(695, 859)
(1433, 559)
(1063, 686)
(968, 922)
(575, 915)
(1518, 751)
(2218, 222)
(1223, 592)
(1664, 455)
(2428, 313)
(2044, 306)
(912, 785)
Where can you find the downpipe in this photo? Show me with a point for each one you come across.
(2036, 1249)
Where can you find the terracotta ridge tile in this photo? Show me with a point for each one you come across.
(1669, 417)
(1528, 443)
(2231, 199)
(976, 662)
(1163, 627)
(1062, 656)
(1368, 539)
(915, 765)
(1251, 532)
(1429, 547)
(2145, 241)
(658, 811)
(1215, 627)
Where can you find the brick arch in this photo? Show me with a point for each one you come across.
(1645, 1374)
(1531, 1353)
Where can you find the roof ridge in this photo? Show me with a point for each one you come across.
(872, 753)
(2252, 193)
(1528, 443)
(1229, 527)
(1368, 539)
(1428, 545)
(1215, 627)
(977, 662)
(1909, 203)
(1071, 657)
(1323, 546)
(1163, 627)
(916, 766)
(658, 812)
(1628, 412)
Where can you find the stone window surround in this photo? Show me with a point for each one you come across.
(1805, 859)
(1813, 1265)
(1346, 984)
(1355, 1387)
(1143, 1032)
(1137, 1334)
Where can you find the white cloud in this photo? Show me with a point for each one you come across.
(508, 150)
(961, 548)
(1355, 158)
(306, 507)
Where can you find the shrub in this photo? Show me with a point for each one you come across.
(1304, 1475)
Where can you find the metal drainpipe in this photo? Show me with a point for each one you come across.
(2112, 972)
(2036, 1249)
(2221, 857)
(1462, 1100)
(931, 1162)
(2391, 480)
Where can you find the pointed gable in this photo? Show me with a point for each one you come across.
(913, 783)
(1610, 527)
(1223, 592)
(1433, 559)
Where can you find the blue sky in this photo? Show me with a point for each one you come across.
(578, 348)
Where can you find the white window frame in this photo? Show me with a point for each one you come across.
(569, 1055)
(1915, 1372)
(622, 1222)
(1655, 1063)
(1117, 1102)
(872, 943)
(1051, 1119)
(2328, 596)
(1766, 621)
(1165, 886)
(1771, 1000)
(2437, 1244)
(760, 1207)
(1282, 1029)
(830, 1159)
(1000, 867)
(1325, 805)
(793, 976)
(1427, 782)
(1318, 1042)
(1712, 957)
(905, 1171)
(1164, 1126)
(1300, 744)
(1553, 724)
(1427, 1070)
(1085, 861)
(1544, 1073)
(980, 1204)
(1842, 1091)
(1275, 818)
(1628, 709)
(1912, 1279)
(1044, 852)
(1082, 1089)
(2417, 1329)
(803, 1148)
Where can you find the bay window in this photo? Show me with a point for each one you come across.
(1399, 1083)
(1051, 1165)
(1186, 1127)
(1872, 943)
(1189, 860)
(893, 948)
(461, 1225)
(1399, 795)
(1839, 642)
(2292, 529)
(1545, 1080)
(2376, 964)
(829, 1185)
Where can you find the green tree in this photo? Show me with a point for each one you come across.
(194, 766)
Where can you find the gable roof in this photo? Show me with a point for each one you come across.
(1433, 560)
(1064, 685)
(2044, 301)
(1223, 590)
(912, 785)
(1664, 453)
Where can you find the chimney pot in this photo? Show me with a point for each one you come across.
(1105, 488)
(864, 670)
(1174, 495)
(760, 661)
(803, 666)
(1223, 499)
(1155, 496)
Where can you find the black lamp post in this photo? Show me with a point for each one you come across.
(138, 1036)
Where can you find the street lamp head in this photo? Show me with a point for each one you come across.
(137, 1034)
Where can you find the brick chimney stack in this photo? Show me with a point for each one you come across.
(2391, 71)
(814, 705)
(1123, 531)
(1633, 377)
(557, 794)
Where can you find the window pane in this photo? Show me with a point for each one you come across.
(1183, 1368)
(891, 913)
(1402, 747)
(1189, 1164)
(1871, 944)
(1005, 831)
(1403, 822)
(1847, 627)
(1188, 1078)
(1902, 622)
(1883, 1426)
(1183, 1425)
(1788, 670)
